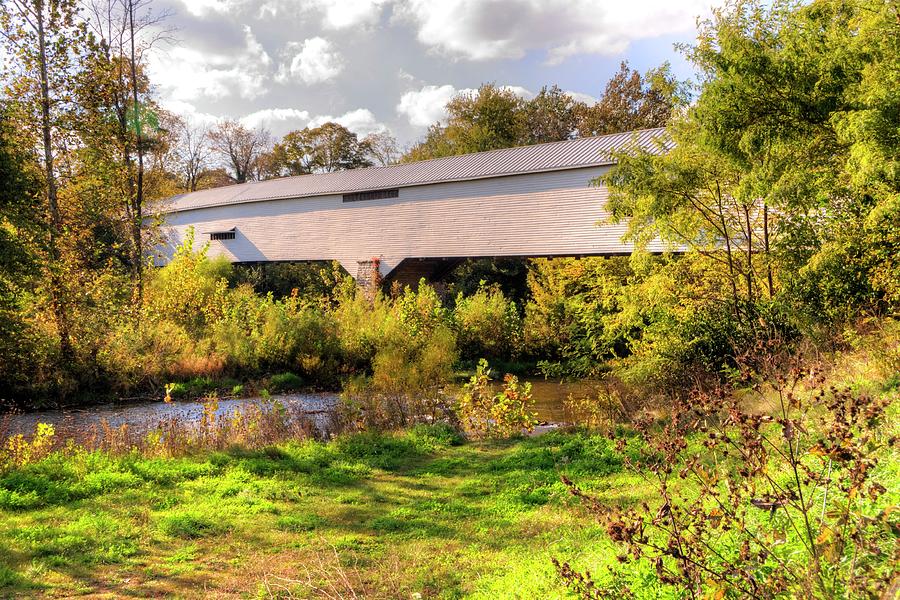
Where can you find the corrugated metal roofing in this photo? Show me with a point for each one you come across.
(553, 156)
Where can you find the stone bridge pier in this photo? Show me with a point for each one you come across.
(407, 273)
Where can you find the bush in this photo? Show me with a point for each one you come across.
(412, 350)
(570, 317)
(486, 413)
(189, 290)
(783, 505)
(284, 382)
(487, 324)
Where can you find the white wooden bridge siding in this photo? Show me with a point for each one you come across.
(536, 214)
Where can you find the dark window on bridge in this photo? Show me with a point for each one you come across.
(373, 195)
(222, 235)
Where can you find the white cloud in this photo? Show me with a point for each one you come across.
(313, 61)
(334, 14)
(507, 29)
(582, 97)
(518, 90)
(360, 121)
(189, 112)
(203, 7)
(185, 73)
(267, 116)
(340, 14)
(426, 106)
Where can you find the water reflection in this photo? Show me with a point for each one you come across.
(549, 397)
(146, 416)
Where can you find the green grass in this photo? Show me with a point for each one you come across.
(284, 382)
(387, 515)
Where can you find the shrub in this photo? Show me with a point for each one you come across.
(188, 290)
(487, 324)
(406, 383)
(17, 450)
(412, 350)
(566, 317)
(759, 505)
(284, 382)
(486, 413)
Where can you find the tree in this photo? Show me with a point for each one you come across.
(192, 153)
(213, 178)
(632, 102)
(486, 119)
(324, 149)
(20, 226)
(382, 148)
(763, 162)
(811, 120)
(238, 148)
(115, 85)
(162, 179)
(550, 116)
(687, 197)
(493, 117)
(45, 36)
(435, 144)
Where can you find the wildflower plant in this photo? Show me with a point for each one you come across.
(485, 412)
(758, 504)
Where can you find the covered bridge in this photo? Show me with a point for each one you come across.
(416, 219)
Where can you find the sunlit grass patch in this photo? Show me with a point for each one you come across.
(396, 514)
(190, 525)
(299, 523)
(184, 554)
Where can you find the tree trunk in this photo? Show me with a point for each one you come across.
(767, 249)
(749, 274)
(60, 311)
(731, 273)
(138, 206)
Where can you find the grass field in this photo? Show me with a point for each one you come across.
(388, 516)
(417, 514)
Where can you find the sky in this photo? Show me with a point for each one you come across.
(376, 65)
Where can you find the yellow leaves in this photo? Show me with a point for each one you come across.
(18, 450)
(714, 590)
(824, 536)
(830, 544)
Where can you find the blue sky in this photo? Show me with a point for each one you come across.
(376, 65)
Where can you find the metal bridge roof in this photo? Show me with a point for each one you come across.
(553, 156)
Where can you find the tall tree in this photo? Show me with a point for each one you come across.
(550, 116)
(324, 149)
(123, 31)
(485, 119)
(782, 157)
(45, 37)
(382, 148)
(192, 153)
(631, 101)
(238, 148)
(20, 226)
(494, 117)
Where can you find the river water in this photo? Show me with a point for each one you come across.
(549, 397)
